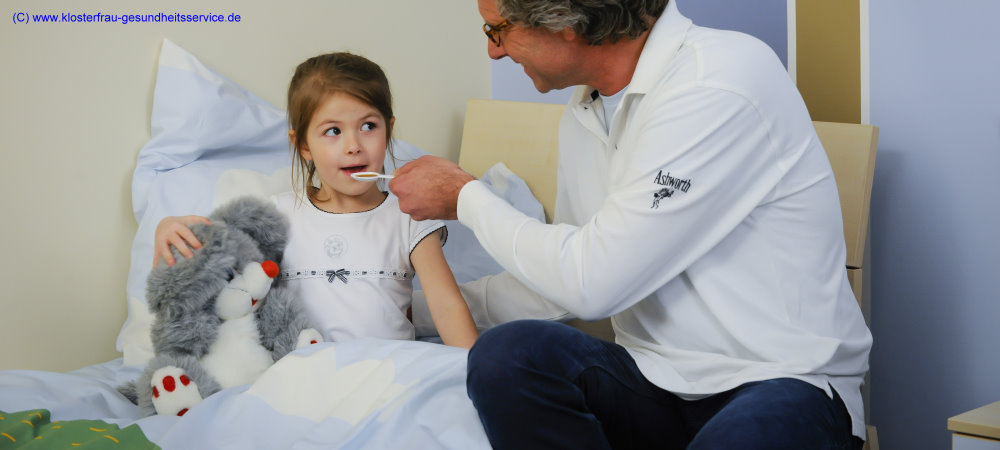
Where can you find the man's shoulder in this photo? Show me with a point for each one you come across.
(712, 49)
(720, 59)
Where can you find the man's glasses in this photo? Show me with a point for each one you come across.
(493, 32)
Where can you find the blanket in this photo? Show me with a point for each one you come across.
(368, 393)
(33, 430)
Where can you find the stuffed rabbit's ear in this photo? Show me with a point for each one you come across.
(172, 290)
(259, 219)
(190, 283)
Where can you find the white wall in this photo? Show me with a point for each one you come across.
(75, 100)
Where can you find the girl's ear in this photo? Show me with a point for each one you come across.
(304, 151)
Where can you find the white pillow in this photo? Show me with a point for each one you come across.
(202, 125)
(213, 140)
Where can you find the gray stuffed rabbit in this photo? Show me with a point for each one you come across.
(221, 319)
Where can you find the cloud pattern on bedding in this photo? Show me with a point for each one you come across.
(365, 393)
(349, 393)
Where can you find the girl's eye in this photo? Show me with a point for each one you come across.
(368, 126)
(332, 132)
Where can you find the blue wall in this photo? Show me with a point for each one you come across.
(935, 236)
(765, 19)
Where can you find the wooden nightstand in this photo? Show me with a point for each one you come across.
(978, 429)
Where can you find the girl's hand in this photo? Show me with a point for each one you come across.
(175, 231)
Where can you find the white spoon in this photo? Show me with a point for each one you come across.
(369, 176)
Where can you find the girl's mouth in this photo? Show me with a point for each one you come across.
(353, 169)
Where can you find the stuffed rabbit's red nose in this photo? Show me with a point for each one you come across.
(270, 268)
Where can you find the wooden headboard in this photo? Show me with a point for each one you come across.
(522, 135)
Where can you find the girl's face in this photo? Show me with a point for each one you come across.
(345, 136)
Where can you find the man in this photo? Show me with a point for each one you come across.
(696, 208)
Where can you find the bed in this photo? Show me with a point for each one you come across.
(213, 140)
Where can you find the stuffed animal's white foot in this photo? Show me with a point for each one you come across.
(173, 392)
(308, 336)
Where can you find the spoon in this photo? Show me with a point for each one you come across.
(369, 176)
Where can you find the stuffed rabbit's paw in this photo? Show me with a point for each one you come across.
(307, 337)
(173, 391)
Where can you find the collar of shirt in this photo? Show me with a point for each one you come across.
(664, 39)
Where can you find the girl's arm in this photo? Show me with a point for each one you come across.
(448, 309)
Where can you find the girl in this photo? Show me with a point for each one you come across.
(352, 253)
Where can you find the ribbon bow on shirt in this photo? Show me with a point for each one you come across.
(335, 274)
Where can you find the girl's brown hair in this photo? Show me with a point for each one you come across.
(324, 75)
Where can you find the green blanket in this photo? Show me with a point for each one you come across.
(32, 430)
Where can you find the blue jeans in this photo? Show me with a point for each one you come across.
(540, 384)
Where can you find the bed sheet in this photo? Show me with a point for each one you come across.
(367, 393)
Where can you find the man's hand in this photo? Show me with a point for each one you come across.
(428, 188)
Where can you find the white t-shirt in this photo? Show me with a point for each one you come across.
(610, 104)
(706, 224)
(352, 271)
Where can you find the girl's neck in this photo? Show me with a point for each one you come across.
(331, 201)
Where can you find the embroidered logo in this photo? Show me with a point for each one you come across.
(335, 245)
(671, 185)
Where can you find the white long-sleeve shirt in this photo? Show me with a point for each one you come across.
(705, 223)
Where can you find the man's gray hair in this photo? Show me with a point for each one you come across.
(597, 21)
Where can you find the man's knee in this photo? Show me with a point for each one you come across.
(491, 364)
(503, 352)
(513, 340)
